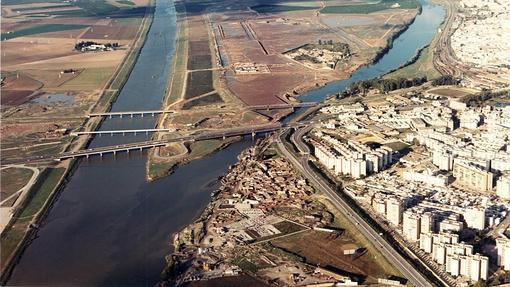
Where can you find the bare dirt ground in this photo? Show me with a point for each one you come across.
(245, 36)
(326, 249)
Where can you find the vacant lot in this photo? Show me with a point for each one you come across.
(371, 7)
(326, 250)
(451, 92)
(199, 83)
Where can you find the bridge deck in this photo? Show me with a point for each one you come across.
(111, 132)
(154, 112)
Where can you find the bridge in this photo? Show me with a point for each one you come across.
(139, 146)
(156, 112)
(130, 113)
(123, 132)
(282, 106)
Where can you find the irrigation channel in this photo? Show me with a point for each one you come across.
(109, 227)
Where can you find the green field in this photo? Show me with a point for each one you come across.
(42, 190)
(89, 79)
(19, 2)
(370, 7)
(88, 7)
(44, 7)
(125, 2)
(280, 8)
(46, 28)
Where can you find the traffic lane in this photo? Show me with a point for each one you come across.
(408, 270)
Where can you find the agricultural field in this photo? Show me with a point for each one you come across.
(48, 86)
(280, 8)
(199, 83)
(45, 28)
(370, 7)
(203, 101)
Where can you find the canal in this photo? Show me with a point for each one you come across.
(109, 227)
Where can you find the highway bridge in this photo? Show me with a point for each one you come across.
(130, 113)
(156, 112)
(224, 133)
(123, 132)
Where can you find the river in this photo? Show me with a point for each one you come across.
(109, 227)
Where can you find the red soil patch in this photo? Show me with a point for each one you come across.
(17, 90)
(116, 31)
(15, 97)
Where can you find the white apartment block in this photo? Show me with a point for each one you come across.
(351, 158)
(503, 186)
(503, 246)
(411, 226)
(473, 177)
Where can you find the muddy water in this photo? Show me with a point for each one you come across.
(111, 228)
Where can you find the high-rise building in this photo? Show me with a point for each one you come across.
(427, 222)
(411, 226)
(426, 242)
(453, 265)
(503, 186)
(394, 211)
(475, 218)
(473, 177)
(503, 246)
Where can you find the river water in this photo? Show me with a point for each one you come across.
(109, 227)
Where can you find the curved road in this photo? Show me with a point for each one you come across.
(6, 212)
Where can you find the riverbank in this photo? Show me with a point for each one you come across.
(21, 231)
(259, 220)
(422, 64)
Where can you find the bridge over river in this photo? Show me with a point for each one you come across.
(139, 146)
(157, 112)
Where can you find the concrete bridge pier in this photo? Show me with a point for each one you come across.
(223, 137)
(252, 135)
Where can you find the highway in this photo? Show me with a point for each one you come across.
(392, 255)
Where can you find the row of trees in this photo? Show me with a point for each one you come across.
(383, 85)
(485, 95)
(445, 81)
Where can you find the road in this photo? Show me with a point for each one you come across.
(400, 263)
(6, 212)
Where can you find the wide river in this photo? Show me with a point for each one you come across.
(109, 227)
